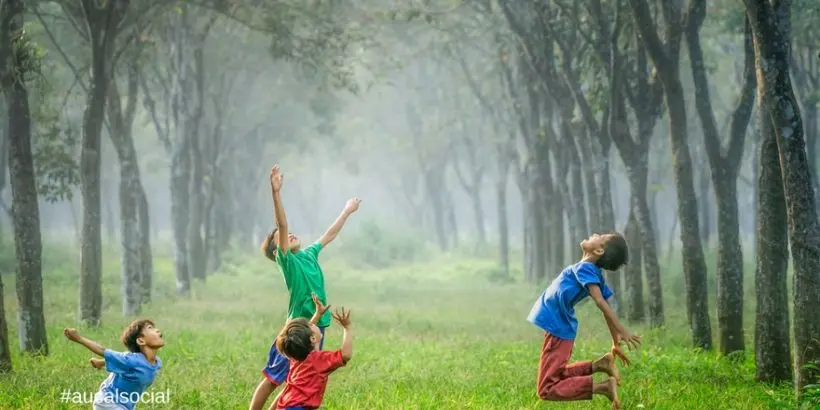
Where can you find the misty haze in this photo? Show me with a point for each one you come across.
(467, 179)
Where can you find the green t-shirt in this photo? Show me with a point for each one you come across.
(304, 276)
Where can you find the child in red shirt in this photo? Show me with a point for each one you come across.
(310, 366)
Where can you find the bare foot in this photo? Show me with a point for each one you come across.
(607, 365)
(613, 396)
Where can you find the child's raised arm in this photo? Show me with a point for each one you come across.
(331, 233)
(617, 330)
(278, 209)
(74, 336)
(320, 310)
(343, 318)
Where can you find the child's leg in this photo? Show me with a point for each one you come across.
(275, 372)
(556, 380)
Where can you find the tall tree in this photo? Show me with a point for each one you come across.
(665, 57)
(772, 39)
(18, 60)
(136, 281)
(101, 26)
(772, 340)
(725, 166)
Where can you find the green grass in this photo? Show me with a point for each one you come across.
(438, 334)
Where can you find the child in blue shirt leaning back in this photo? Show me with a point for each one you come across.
(554, 313)
(130, 373)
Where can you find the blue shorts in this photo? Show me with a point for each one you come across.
(276, 370)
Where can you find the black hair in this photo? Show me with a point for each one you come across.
(294, 340)
(616, 252)
(134, 332)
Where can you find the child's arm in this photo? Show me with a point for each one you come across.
(615, 326)
(331, 233)
(347, 338)
(279, 209)
(74, 336)
(320, 310)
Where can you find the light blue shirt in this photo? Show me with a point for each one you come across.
(554, 311)
(130, 374)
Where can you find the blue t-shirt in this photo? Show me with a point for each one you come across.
(130, 374)
(554, 311)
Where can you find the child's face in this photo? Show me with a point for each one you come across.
(293, 241)
(151, 337)
(594, 245)
(316, 337)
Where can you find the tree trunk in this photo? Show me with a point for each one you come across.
(5, 351)
(4, 149)
(107, 199)
(146, 254)
(665, 59)
(102, 26)
(452, 220)
(501, 207)
(196, 255)
(724, 170)
(811, 130)
(632, 272)
(432, 183)
(648, 256)
(772, 30)
(772, 341)
(129, 218)
(577, 203)
(180, 179)
(478, 214)
(704, 202)
(533, 221)
(24, 207)
(593, 196)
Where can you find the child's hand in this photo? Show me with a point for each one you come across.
(343, 318)
(97, 363)
(618, 353)
(632, 341)
(352, 205)
(72, 334)
(320, 308)
(276, 178)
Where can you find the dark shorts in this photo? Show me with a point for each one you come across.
(276, 370)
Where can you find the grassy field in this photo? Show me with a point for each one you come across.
(437, 334)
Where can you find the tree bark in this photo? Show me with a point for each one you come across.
(103, 21)
(25, 208)
(725, 169)
(665, 59)
(772, 42)
(635, 312)
(5, 351)
(196, 254)
(130, 186)
(772, 342)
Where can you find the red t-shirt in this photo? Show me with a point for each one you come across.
(307, 379)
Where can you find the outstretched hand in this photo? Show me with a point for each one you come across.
(619, 354)
(342, 317)
(632, 341)
(276, 178)
(320, 308)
